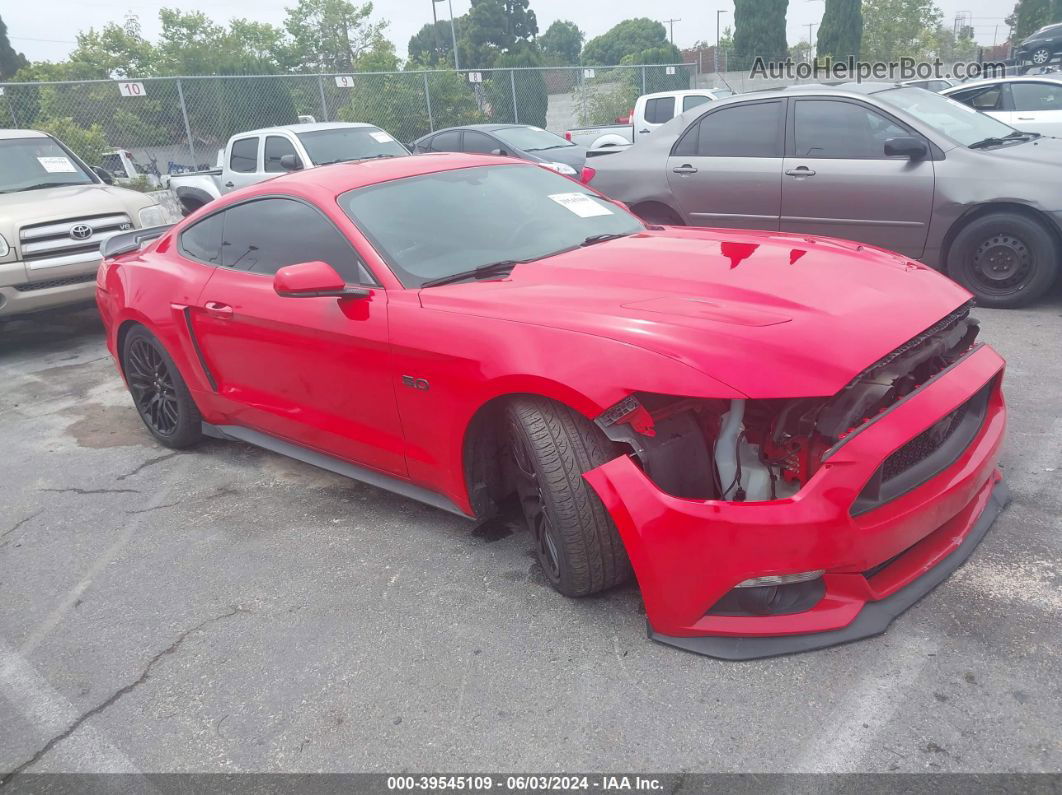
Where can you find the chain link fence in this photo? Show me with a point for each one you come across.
(177, 124)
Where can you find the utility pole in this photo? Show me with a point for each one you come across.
(671, 24)
(453, 29)
(718, 14)
(435, 28)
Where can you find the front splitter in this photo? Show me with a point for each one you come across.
(873, 619)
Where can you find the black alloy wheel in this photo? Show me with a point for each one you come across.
(159, 393)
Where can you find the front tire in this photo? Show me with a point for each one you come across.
(1041, 56)
(1005, 259)
(159, 393)
(576, 542)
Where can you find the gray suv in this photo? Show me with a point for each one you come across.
(897, 167)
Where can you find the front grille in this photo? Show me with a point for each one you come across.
(44, 285)
(926, 455)
(923, 445)
(57, 243)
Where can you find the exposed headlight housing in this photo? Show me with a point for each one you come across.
(780, 579)
(561, 168)
(5, 249)
(155, 215)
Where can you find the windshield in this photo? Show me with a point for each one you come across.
(530, 139)
(435, 225)
(348, 143)
(955, 120)
(32, 163)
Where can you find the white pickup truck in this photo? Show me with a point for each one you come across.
(256, 155)
(650, 111)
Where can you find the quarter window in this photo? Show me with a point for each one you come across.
(478, 142)
(841, 130)
(275, 148)
(265, 235)
(202, 241)
(660, 110)
(449, 141)
(244, 157)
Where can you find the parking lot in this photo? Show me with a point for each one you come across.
(225, 609)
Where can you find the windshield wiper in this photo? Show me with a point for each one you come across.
(993, 141)
(482, 272)
(603, 237)
(42, 185)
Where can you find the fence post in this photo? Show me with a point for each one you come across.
(512, 84)
(427, 101)
(643, 79)
(324, 105)
(187, 126)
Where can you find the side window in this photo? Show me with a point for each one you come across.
(841, 130)
(478, 142)
(660, 110)
(113, 164)
(449, 141)
(692, 101)
(276, 147)
(202, 241)
(1036, 96)
(990, 98)
(752, 130)
(244, 157)
(265, 235)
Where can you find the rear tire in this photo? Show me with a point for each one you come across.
(1041, 56)
(159, 393)
(576, 542)
(1005, 259)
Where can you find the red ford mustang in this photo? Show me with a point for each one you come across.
(786, 440)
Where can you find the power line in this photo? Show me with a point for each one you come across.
(671, 24)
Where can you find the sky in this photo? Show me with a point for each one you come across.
(50, 36)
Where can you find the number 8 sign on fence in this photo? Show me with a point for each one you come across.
(131, 89)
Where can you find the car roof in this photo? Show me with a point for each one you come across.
(852, 90)
(991, 81)
(683, 92)
(307, 127)
(483, 127)
(341, 177)
(6, 134)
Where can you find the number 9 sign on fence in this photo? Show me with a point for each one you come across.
(131, 89)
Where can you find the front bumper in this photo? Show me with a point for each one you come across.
(688, 554)
(49, 289)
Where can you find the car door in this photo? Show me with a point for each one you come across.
(658, 112)
(245, 163)
(1037, 106)
(313, 370)
(837, 180)
(276, 146)
(479, 143)
(726, 168)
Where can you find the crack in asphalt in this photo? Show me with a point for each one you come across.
(21, 522)
(146, 464)
(154, 508)
(6, 778)
(95, 491)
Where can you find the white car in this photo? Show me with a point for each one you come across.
(650, 112)
(1030, 103)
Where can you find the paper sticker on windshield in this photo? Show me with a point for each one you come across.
(57, 165)
(580, 204)
(381, 137)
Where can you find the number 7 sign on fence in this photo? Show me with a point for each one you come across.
(131, 89)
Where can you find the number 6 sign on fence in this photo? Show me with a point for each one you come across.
(132, 89)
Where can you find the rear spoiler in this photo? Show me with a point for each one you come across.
(131, 241)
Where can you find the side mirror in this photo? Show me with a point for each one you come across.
(290, 163)
(501, 152)
(103, 174)
(906, 146)
(314, 280)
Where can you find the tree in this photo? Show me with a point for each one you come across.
(329, 35)
(1031, 15)
(759, 31)
(432, 45)
(629, 37)
(531, 94)
(894, 29)
(841, 31)
(494, 27)
(10, 61)
(562, 42)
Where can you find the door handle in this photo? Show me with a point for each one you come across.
(1026, 118)
(218, 310)
(229, 185)
(643, 132)
(685, 168)
(799, 171)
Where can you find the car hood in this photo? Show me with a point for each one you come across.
(68, 201)
(574, 156)
(1040, 153)
(768, 314)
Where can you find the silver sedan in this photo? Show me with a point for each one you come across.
(897, 167)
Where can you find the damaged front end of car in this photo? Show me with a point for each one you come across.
(762, 518)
